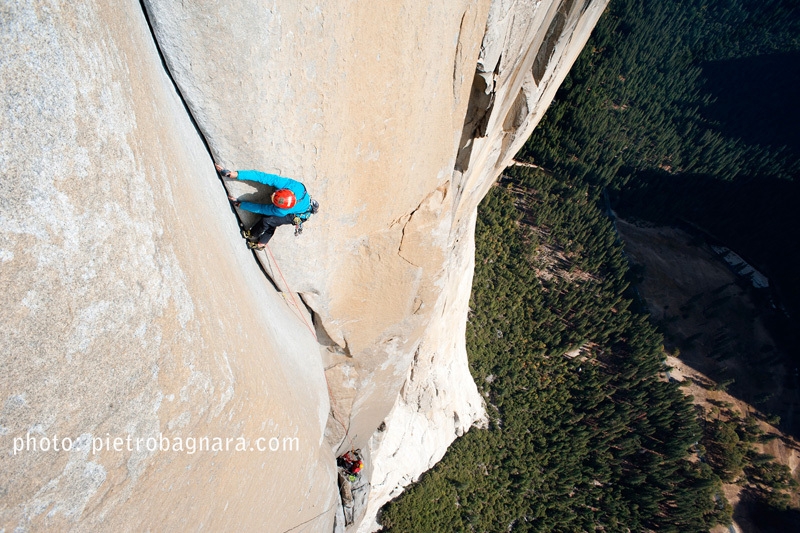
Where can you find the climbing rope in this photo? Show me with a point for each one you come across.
(291, 293)
(311, 519)
(334, 410)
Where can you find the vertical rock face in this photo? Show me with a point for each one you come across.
(132, 307)
(127, 308)
(526, 53)
(365, 103)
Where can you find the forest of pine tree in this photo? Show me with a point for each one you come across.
(586, 433)
(593, 439)
(686, 111)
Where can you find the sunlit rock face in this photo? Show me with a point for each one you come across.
(365, 103)
(131, 306)
(526, 52)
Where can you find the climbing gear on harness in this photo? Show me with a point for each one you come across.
(351, 464)
(299, 218)
(284, 198)
(255, 245)
(246, 234)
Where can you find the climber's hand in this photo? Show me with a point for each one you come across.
(224, 172)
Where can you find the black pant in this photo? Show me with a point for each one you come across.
(264, 229)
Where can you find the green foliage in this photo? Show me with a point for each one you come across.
(727, 448)
(770, 481)
(638, 98)
(575, 443)
(686, 111)
(725, 451)
(597, 440)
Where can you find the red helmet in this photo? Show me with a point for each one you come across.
(284, 198)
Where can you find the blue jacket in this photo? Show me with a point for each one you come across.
(303, 199)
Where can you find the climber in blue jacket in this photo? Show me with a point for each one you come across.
(291, 204)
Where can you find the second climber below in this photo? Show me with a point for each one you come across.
(291, 204)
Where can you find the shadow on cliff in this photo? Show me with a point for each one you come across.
(755, 99)
(756, 217)
(248, 191)
(756, 516)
